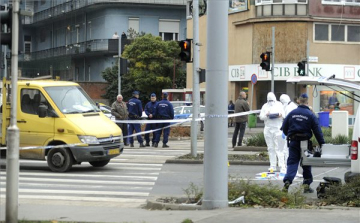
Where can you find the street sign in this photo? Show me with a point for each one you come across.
(253, 78)
(313, 59)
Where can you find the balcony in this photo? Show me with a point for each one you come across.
(66, 7)
(92, 47)
(281, 8)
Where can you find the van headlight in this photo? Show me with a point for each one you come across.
(89, 139)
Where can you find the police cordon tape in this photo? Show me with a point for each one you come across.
(175, 121)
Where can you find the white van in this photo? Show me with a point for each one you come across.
(336, 155)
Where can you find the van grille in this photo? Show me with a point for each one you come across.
(109, 140)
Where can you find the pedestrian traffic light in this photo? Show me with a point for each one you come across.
(185, 54)
(124, 66)
(301, 68)
(265, 61)
(6, 19)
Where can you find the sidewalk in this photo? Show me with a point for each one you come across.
(138, 215)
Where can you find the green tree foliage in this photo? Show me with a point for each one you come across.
(152, 65)
(151, 69)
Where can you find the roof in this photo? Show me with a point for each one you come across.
(46, 83)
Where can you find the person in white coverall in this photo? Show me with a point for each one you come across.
(288, 107)
(272, 113)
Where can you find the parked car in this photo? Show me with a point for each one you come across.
(342, 155)
(184, 112)
(106, 110)
(180, 103)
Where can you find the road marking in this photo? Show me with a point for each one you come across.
(82, 192)
(69, 198)
(86, 181)
(76, 186)
(82, 175)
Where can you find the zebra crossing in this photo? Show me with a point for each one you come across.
(126, 181)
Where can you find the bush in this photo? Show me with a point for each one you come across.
(256, 140)
(338, 140)
(345, 195)
(266, 195)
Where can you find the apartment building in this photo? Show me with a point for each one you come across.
(330, 29)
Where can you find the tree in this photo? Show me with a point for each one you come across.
(151, 68)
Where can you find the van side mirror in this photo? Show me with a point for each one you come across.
(42, 111)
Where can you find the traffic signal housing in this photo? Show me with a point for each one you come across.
(265, 61)
(6, 18)
(301, 68)
(185, 53)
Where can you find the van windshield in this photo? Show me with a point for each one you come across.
(71, 99)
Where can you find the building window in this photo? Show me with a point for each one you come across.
(353, 33)
(266, 2)
(169, 29)
(341, 2)
(134, 24)
(322, 32)
(337, 33)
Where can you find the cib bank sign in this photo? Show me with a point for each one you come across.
(284, 71)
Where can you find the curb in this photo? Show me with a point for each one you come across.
(231, 162)
(155, 205)
(250, 148)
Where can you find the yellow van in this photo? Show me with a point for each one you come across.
(62, 121)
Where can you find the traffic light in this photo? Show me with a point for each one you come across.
(265, 61)
(124, 66)
(301, 68)
(185, 54)
(6, 18)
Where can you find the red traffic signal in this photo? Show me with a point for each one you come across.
(185, 53)
(265, 61)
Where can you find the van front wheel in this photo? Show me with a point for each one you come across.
(99, 163)
(59, 159)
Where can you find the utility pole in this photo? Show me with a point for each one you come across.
(119, 63)
(196, 69)
(216, 151)
(12, 157)
(307, 63)
(273, 60)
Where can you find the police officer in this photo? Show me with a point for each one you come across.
(164, 110)
(150, 111)
(135, 112)
(299, 125)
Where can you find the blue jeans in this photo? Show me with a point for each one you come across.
(137, 129)
(293, 163)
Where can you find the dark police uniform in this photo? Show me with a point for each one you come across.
(164, 110)
(150, 108)
(299, 125)
(135, 112)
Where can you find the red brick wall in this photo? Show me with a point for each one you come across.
(95, 90)
(335, 11)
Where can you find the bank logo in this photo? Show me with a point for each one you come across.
(349, 72)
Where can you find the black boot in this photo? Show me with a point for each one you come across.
(147, 144)
(286, 186)
(155, 144)
(165, 146)
(142, 145)
(131, 144)
(307, 189)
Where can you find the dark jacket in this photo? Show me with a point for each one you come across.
(119, 110)
(150, 108)
(134, 108)
(302, 120)
(241, 106)
(164, 110)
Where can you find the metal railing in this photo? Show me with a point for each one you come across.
(77, 4)
(98, 45)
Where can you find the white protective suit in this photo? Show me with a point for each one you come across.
(288, 107)
(272, 129)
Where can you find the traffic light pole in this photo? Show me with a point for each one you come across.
(273, 60)
(307, 63)
(12, 156)
(196, 87)
(216, 129)
(119, 64)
